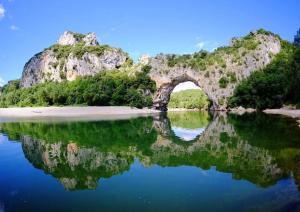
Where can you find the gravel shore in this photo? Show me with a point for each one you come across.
(285, 112)
(103, 112)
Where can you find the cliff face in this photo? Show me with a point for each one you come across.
(73, 55)
(216, 73)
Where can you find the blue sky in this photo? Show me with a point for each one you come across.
(138, 27)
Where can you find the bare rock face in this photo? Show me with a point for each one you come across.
(216, 73)
(73, 55)
(72, 38)
(67, 38)
(227, 64)
(91, 39)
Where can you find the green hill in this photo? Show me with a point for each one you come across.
(189, 99)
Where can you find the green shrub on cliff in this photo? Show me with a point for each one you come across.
(277, 83)
(106, 88)
(203, 59)
(189, 99)
(223, 82)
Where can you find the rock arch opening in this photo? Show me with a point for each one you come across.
(187, 95)
(164, 91)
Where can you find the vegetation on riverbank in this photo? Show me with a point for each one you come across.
(106, 88)
(189, 99)
(277, 84)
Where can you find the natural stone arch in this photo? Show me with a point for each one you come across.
(240, 59)
(164, 90)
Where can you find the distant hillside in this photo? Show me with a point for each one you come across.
(189, 99)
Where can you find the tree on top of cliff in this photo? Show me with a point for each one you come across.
(297, 38)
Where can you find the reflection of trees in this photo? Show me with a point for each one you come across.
(190, 120)
(79, 153)
(75, 167)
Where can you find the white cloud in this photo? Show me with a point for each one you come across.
(200, 45)
(185, 86)
(1, 82)
(14, 27)
(207, 45)
(2, 11)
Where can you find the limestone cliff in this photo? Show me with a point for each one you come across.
(73, 55)
(216, 73)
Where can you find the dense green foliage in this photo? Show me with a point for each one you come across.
(223, 82)
(190, 99)
(105, 88)
(276, 84)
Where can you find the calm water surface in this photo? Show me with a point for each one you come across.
(187, 161)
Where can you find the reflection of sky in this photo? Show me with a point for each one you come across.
(1, 142)
(187, 134)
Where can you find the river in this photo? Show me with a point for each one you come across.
(182, 161)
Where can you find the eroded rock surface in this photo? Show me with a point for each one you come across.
(216, 73)
(236, 62)
(73, 55)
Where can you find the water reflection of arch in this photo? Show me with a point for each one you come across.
(221, 147)
(163, 126)
(79, 163)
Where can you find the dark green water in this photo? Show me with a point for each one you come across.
(181, 162)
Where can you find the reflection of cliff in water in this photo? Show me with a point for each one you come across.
(75, 167)
(79, 153)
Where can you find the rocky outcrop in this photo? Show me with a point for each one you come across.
(216, 73)
(73, 55)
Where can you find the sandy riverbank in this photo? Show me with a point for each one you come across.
(285, 112)
(105, 112)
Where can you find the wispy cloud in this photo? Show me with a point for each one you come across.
(2, 11)
(207, 45)
(14, 27)
(200, 45)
